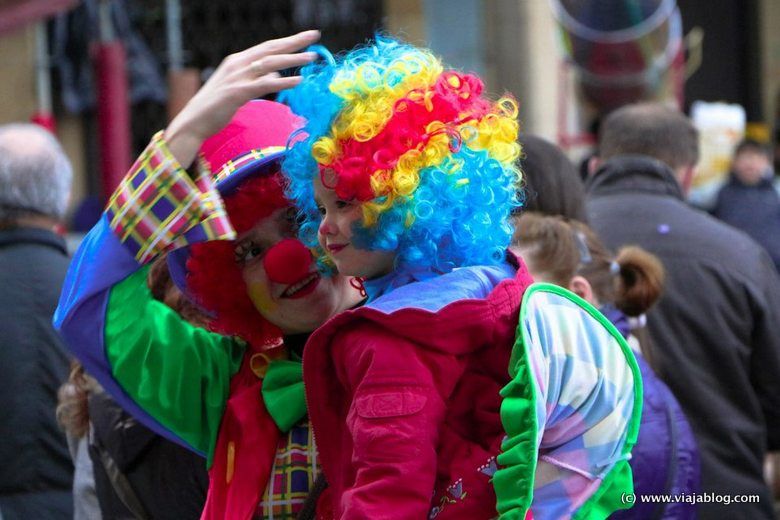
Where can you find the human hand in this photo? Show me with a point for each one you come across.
(241, 77)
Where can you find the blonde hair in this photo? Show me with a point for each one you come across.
(560, 249)
(72, 412)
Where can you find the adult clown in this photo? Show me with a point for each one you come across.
(195, 387)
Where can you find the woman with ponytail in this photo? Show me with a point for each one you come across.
(623, 287)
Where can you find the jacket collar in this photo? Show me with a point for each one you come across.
(30, 235)
(766, 183)
(634, 174)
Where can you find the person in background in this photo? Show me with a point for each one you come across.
(35, 181)
(551, 184)
(749, 200)
(73, 418)
(715, 327)
(567, 253)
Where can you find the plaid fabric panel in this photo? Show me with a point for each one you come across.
(588, 400)
(294, 471)
(158, 207)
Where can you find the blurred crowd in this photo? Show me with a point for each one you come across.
(695, 292)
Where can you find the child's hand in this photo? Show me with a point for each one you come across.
(241, 77)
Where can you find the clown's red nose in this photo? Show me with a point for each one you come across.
(287, 262)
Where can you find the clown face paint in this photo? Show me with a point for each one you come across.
(282, 278)
(335, 237)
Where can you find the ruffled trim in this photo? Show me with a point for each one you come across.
(609, 497)
(514, 481)
(158, 207)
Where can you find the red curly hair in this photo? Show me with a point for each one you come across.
(214, 278)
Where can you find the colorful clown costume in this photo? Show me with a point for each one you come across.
(459, 390)
(195, 387)
(414, 404)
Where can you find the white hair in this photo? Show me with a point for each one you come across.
(35, 173)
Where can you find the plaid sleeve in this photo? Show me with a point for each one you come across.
(158, 207)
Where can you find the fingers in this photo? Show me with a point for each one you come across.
(278, 62)
(240, 77)
(271, 83)
(287, 45)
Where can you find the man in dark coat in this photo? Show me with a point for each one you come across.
(36, 469)
(715, 330)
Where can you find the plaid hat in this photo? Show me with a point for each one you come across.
(251, 144)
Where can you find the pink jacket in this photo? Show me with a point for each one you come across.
(404, 397)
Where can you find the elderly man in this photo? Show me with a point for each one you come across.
(714, 331)
(35, 180)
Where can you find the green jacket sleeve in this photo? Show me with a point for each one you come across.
(180, 374)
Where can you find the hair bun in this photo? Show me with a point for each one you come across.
(641, 280)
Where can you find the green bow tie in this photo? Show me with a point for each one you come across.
(283, 393)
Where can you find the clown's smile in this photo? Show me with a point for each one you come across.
(303, 287)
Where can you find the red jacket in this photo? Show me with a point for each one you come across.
(403, 395)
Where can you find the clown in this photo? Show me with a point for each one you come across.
(406, 178)
(232, 396)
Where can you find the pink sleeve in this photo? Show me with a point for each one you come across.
(394, 420)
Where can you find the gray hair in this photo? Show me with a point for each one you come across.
(35, 173)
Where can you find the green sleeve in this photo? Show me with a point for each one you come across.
(178, 373)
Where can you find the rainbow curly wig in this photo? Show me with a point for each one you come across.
(432, 162)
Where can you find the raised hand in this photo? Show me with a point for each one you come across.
(242, 76)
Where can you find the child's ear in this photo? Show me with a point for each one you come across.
(580, 286)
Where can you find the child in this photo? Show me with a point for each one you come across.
(406, 178)
(568, 253)
(749, 200)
